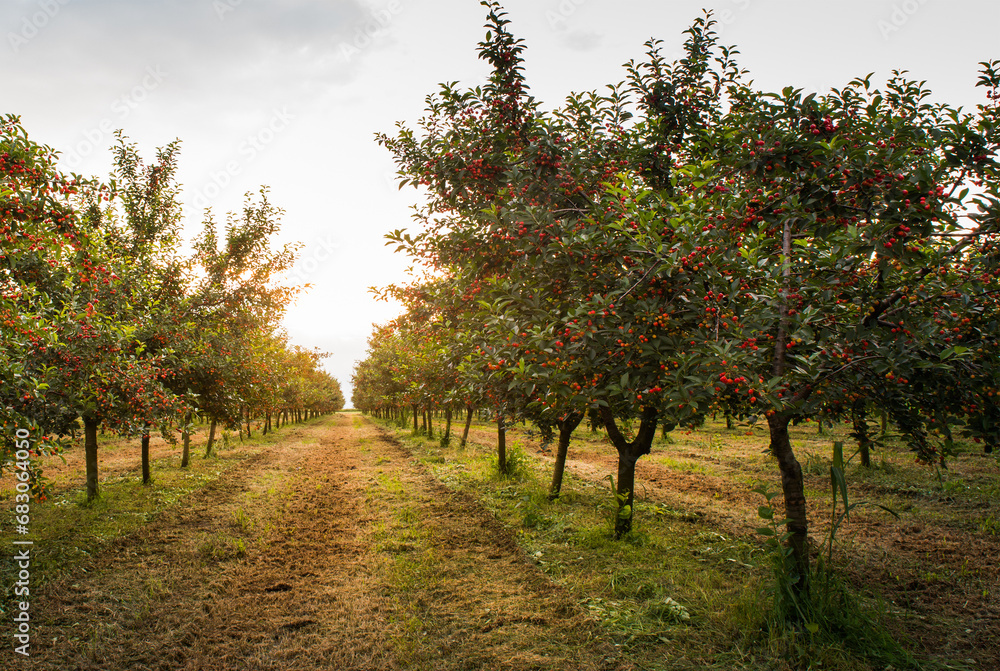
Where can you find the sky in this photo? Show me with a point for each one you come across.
(290, 94)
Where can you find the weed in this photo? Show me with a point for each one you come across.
(390, 483)
(517, 464)
(221, 547)
(814, 464)
(989, 524)
(683, 465)
(953, 487)
(155, 589)
(242, 522)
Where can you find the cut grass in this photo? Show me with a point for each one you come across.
(674, 563)
(67, 530)
(668, 583)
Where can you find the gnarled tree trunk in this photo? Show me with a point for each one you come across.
(628, 455)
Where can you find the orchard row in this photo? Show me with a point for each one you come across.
(684, 243)
(105, 322)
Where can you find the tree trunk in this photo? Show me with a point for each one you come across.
(211, 439)
(468, 423)
(628, 455)
(594, 417)
(186, 437)
(566, 426)
(446, 438)
(501, 445)
(145, 455)
(90, 450)
(793, 488)
(729, 421)
(859, 416)
(792, 485)
(416, 427)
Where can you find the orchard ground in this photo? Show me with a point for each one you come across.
(339, 543)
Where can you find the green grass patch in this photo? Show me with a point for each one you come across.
(677, 592)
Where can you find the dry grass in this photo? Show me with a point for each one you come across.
(329, 547)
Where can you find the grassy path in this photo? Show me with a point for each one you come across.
(328, 548)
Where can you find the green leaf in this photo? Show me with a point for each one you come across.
(765, 512)
(888, 510)
(839, 482)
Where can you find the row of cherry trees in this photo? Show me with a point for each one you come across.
(684, 243)
(105, 322)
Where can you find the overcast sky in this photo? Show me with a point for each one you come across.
(289, 94)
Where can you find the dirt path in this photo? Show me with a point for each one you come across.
(331, 549)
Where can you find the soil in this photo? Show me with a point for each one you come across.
(311, 582)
